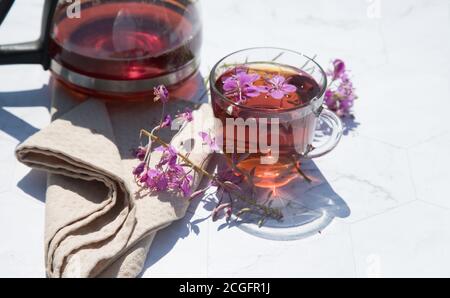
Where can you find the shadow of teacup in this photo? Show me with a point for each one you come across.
(308, 208)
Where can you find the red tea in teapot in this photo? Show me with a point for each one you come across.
(127, 40)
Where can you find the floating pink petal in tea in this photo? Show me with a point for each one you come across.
(279, 87)
(240, 85)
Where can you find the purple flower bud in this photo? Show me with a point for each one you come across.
(140, 153)
(197, 193)
(218, 209)
(167, 122)
(228, 213)
(161, 93)
(338, 68)
(139, 169)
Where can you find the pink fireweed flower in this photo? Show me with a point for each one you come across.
(179, 180)
(186, 115)
(175, 173)
(156, 180)
(241, 86)
(169, 156)
(167, 175)
(161, 93)
(340, 96)
(208, 140)
(279, 87)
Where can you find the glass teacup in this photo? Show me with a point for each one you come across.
(270, 102)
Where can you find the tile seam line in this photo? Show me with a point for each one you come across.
(411, 176)
(433, 204)
(382, 142)
(428, 140)
(352, 243)
(384, 212)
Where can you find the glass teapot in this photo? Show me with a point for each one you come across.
(113, 48)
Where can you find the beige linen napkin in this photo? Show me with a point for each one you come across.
(96, 224)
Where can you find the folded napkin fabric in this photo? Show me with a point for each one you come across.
(96, 225)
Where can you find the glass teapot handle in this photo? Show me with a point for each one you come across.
(5, 6)
(33, 52)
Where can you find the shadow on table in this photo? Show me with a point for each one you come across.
(13, 125)
(350, 124)
(313, 207)
(318, 204)
(166, 239)
(34, 184)
(308, 208)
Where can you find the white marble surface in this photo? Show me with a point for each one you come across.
(391, 170)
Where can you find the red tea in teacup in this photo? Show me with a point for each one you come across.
(274, 94)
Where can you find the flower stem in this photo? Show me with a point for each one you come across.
(300, 172)
(267, 210)
(182, 156)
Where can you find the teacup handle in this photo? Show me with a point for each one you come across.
(335, 125)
